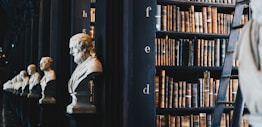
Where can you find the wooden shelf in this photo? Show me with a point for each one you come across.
(190, 35)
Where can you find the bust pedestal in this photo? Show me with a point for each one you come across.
(33, 105)
(48, 106)
(82, 112)
(81, 102)
(84, 119)
(23, 106)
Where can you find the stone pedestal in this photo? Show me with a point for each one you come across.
(84, 119)
(48, 116)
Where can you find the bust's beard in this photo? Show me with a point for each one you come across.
(79, 58)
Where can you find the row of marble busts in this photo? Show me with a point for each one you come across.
(30, 83)
(88, 66)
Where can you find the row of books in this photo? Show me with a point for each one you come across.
(208, 20)
(215, 1)
(194, 120)
(190, 52)
(170, 93)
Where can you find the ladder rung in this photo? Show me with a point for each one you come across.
(230, 51)
(229, 76)
(224, 102)
(237, 26)
(243, 1)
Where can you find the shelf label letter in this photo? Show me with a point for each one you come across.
(83, 30)
(84, 14)
(147, 11)
(146, 89)
(147, 49)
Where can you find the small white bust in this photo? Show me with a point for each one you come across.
(34, 76)
(49, 75)
(25, 81)
(249, 54)
(82, 49)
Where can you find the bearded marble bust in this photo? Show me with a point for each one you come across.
(249, 54)
(88, 65)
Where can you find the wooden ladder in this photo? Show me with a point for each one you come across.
(226, 73)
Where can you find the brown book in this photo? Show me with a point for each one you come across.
(92, 31)
(198, 52)
(178, 121)
(92, 14)
(196, 121)
(174, 20)
(209, 53)
(209, 19)
(206, 85)
(175, 95)
(185, 121)
(205, 53)
(182, 21)
(169, 18)
(202, 50)
(164, 17)
(214, 19)
(157, 91)
(188, 95)
(192, 21)
(162, 89)
(187, 20)
(218, 23)
(166, 91)
(204, 19)
(170, 92)
(211, 92)
(202, 120)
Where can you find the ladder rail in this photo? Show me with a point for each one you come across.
(227, 67)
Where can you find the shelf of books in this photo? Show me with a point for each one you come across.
(190, 46)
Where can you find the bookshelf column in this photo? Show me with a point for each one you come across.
(124, 38)
(34, 31)
(44, 29)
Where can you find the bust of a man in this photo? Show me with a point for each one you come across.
(34, 81)
(25, 82)
(48, 85)
(82, 49)
(249, 54)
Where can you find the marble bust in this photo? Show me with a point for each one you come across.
(82, 49)
(25, 83)
(47, 82)
(34, 82)
(17, 84)
(249, 55)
